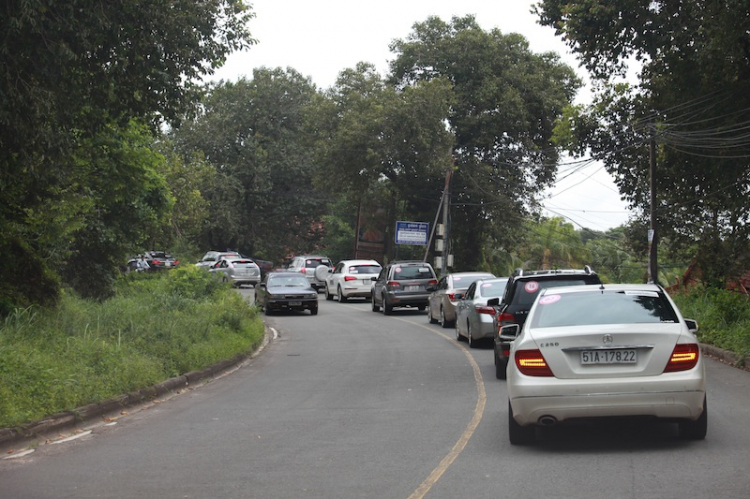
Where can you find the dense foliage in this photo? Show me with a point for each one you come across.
(692, 99)
(156, 327)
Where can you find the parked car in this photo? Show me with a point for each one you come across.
(306, 264)
(403, 284)
(605, 351)
(350, 279)
(442, 301)
(286, 291)
(156, 260)
(211, 257)
(475, 318)
(522, 289)
(237, 270)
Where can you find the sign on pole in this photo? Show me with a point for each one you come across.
(414, 233)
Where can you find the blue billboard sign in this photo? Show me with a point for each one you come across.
(415, 233)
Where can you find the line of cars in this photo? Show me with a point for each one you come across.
(571, 347)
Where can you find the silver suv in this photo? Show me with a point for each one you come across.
(403, 284)
(306, 264)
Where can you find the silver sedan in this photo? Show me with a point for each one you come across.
(238, 271)
(442, 301)
(474, 318)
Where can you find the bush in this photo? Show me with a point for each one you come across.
(156, 326)
(723, 317)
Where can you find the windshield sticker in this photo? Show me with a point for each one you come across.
(651, 294)
(397, 270)
(531, 287)
(549, 299)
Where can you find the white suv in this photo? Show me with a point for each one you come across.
(350, 279)
(306, 264)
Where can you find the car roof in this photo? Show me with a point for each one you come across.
(604, 287)
(408, 262)
(360, 262)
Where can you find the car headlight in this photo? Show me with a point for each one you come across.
(312, 295)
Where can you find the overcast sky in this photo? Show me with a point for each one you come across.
(321, 38)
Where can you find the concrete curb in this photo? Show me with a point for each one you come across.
(70, 419)
(726, 357)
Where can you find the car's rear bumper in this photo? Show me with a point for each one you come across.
(405, 300)
(673, 395)
(291, 304)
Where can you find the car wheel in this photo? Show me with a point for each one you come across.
(458, 333)
(268, 311)
(519, 435)
(314, 311)
(430, 318)
(329, 296)
(387, 309)
(443, 322)
(340, 295)
(695, 430)
(421, 307)
(472, 341)
(375, 307)
(501, 367)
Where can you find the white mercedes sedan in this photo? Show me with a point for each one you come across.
(605, 351)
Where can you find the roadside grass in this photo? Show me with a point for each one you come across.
(156, 327)
(723, 317)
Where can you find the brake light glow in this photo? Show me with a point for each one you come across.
(532, 363)
(684, 357)
(350, 278)
(432, 281)
(393, 284)
(452, 296)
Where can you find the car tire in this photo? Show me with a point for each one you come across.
(519, 435)
(445, 324)
(695, 430)
(314, 311)
(421, 308)
(501, 368)
(268, 311)
(430, 318)
(375, 306)
(387, 309)
(472, 342)
(458, 333)
(340, 295)
(329, 296)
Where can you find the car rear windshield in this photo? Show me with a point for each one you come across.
(288, 282)
(413, 272)
(243, 263)
(493, 289)
(527, 291)
(364, 269)
(313, 263)
(607, 307)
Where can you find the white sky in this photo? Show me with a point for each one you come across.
(321, 38)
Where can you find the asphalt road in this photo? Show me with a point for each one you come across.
(353, 404)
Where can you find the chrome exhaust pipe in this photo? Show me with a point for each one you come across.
(548, 421)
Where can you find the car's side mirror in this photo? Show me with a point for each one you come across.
(493, 302)
(509, 332)
(692, 325)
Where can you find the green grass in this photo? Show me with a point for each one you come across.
(156, 327)
(723, 317)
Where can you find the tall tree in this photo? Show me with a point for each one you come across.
(254, 133)
(375, 140)
(693, 100)
(506, 100)
(71, 72)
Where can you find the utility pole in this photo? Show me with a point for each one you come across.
(653, 276)
(446, 209)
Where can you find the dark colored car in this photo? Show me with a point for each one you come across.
(160, 260)
(403, 284)
(286, 291)
(522, 289)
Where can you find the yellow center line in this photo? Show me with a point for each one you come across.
(445, 463)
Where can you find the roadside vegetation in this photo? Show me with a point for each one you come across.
(157, 326)
(723, 317)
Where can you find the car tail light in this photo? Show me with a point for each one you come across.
(532, 363)
(156, 261)
(684, 357)
(176, 262)
(483, 309)
(350, 278)
(432, 281)
(505, 318)
(303, 270)
(452, 296)
(393, 284)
